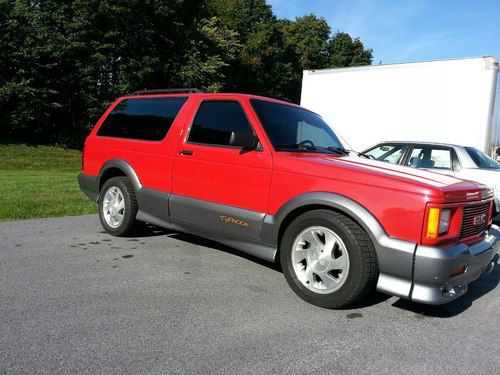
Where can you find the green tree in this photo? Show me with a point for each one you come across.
(345, 51)
(66, 61)
(263, 65)
(215, 47)
(63, 62)
(308, 37)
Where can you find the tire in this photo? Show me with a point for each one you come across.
(326, 277)
(128, 225)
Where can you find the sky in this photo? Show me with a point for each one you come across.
(411, 30)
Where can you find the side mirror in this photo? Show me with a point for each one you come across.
(247, 141)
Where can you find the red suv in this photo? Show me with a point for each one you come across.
(272, 179)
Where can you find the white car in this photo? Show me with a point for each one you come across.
(466, 163)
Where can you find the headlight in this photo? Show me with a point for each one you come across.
(438, 222)
(444, 221)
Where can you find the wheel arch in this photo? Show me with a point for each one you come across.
(118, 167)
(275, 226)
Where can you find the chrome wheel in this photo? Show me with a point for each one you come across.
(113, 207)
(320, 259)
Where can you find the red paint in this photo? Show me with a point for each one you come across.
(265, 180)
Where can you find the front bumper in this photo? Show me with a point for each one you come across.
(433, 267)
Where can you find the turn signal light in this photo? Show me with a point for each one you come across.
(433, 222)
(458, 271)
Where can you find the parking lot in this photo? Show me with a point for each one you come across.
(74, 299)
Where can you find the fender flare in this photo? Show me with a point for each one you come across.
(152, 204)
(125, 167)
(360, 214)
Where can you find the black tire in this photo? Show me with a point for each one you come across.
(129, 224)
(363, 264)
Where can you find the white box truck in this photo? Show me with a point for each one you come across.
(449, 101)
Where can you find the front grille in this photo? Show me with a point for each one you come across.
(471, 213)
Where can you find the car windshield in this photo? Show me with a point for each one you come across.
(481, 159)
(387, 152)
(293, 128)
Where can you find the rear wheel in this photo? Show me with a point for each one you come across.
(118, 207)
(328, 259)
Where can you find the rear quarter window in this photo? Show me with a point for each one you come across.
(146, 119)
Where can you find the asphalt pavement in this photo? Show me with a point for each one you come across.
(74, 299)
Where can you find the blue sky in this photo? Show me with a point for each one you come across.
(411, 30)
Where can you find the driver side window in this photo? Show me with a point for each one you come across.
(215, 122)
(428, 157)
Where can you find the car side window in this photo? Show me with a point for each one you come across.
(388, 153)
(215, 122)
(146, 119)
(428, 157)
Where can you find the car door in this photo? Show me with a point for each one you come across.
(217, 185)
(435, 158)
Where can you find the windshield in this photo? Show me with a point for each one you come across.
(289, 127)
(481, 159)
(387, 152)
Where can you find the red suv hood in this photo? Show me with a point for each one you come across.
(443, 187)
(454, 189)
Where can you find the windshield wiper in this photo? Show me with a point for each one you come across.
(296, 146)
(338, 150)
(345, 151)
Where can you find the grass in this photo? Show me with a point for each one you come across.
(40, 181)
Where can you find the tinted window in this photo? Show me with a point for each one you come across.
(287, 125)
(142, 118)
(428, 157)
(388, 153)
(216, 120)
(481, 159)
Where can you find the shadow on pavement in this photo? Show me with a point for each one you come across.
(217, 246)
(373, 298)
(477, 289)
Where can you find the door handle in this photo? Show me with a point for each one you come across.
(186, 152)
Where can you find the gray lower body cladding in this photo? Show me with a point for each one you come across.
(229, 225)
(406, 270)
(89, 185)
(433, 282)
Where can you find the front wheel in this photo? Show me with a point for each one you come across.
(328, 259)
(118, 207)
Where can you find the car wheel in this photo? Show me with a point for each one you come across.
(328, 259)
(118, 207)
